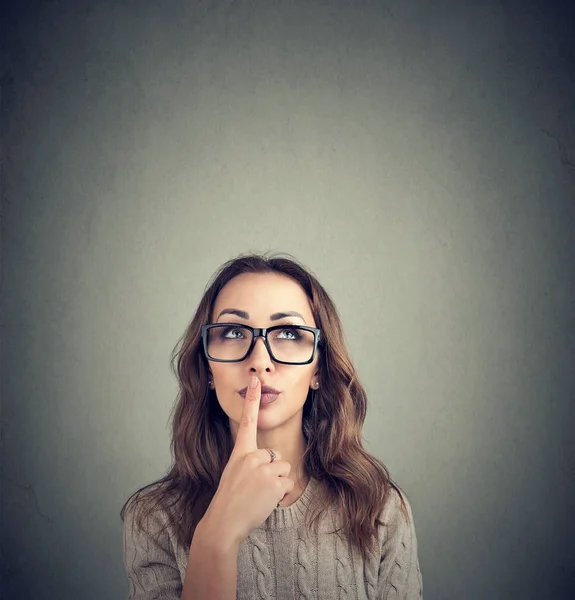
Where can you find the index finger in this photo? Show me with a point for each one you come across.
(247, 437)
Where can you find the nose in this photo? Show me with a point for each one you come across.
(259, 358)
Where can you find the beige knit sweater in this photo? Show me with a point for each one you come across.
(280, 560)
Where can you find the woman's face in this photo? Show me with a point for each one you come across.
(261, 295)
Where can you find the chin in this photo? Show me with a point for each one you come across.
(272, 420)
(267, 420)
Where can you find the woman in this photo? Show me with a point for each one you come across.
(271, 494)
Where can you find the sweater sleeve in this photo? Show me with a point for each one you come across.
(400, 577)
(149, 561)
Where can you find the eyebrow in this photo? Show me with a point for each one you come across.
(244, 315)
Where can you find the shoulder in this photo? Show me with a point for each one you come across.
(152, 563)
(397, 506)
(397, 520)
(144, 514)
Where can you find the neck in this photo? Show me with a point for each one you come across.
(290, 446)
(291, 449)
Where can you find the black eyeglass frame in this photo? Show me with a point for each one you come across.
(261, 332)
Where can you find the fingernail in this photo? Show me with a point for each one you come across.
(254, 382)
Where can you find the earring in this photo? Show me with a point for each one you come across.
(316, 384)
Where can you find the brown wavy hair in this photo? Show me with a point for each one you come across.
(351, 480)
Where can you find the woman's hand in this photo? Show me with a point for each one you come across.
(251, 485)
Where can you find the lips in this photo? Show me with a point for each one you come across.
(269, 394)
(266, 389)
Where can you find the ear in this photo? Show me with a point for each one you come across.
(314, 383)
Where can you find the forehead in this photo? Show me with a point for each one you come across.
(261, 294)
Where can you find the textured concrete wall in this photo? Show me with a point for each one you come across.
(419, 157)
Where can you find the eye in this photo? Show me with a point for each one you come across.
(289, 333)
(237, 332)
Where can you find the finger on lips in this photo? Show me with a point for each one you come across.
(246, 439)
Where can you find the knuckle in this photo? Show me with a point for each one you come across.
(246, 420)
(252, 460)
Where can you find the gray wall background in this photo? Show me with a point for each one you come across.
(418, 157)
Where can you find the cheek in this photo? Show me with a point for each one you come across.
(227, 382)
(230, 403)
(224, 375)
(301, 386)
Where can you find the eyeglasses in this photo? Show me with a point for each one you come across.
(287, 344)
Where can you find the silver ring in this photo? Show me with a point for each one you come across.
(272, 454)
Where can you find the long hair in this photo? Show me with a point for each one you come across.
(352, 481)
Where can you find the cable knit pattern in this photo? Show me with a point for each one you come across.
(281, 560)
(400, 574)
(344, 574)
(405, 566)
(304, 569)
(261, 557)
(371, 570)
(397, 574)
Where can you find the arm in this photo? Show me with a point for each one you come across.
(399, 573)
(149, 561)
(212, 566)
(249, 489)
(153, 572)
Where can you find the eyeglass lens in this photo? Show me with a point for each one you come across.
(288, 344)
